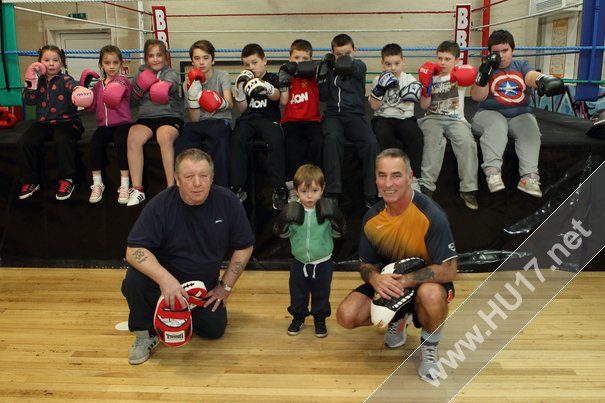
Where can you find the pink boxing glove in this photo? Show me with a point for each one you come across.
(82, 97)
(32, 74)
(144, 81)
(87, 76)
(463, 75)
(210, 101)
(158, 92)
(425, 76)
(113, 93)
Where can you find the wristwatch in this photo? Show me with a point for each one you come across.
(225, 286)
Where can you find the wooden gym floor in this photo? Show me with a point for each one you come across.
(59, 342)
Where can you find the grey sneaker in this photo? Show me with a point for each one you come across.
(530, 186)
(494, 182)
(397, 334)
(470, 200)
(142, 347)
(429, 368)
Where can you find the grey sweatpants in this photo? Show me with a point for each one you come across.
(437, 130)
(494, 130)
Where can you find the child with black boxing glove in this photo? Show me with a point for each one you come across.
(310, 224)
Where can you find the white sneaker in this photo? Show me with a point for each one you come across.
(123, 195)
(97, 193)
(531, 186)
(136, 197)
(429, 367)
(494, 183)
(397, 334)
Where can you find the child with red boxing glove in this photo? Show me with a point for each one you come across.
(209, 102)
(112, 107)
(443, 87)
(57, 97)
(156, 91)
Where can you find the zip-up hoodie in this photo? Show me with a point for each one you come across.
(311, 241)
(107, 117)
(149, 109)
(345, 94)
(53, 99)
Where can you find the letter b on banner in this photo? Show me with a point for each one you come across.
(463, 29)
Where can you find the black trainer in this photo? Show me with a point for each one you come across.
(371, 200)
(280, 197)
(239, 192)
(296, 326)
(320, 327)
(28, 190)
(65, 189)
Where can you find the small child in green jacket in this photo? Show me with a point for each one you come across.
(310, 223)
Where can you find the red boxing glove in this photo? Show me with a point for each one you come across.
(425, 76)
(8, 121)
(87, 76)
(144, 81)
(158, 92)
(210, 101)
(463, 75)
(32, 74)
(113, 93)
(81, 96)
(195, 74)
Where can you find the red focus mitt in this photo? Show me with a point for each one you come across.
(173, 327)
(197, 291)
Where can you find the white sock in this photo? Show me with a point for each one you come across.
(97, 179)
(125, 181)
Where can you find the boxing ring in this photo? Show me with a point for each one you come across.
(93, 236)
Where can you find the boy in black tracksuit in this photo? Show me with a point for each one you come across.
(257, 98)
(342, 88)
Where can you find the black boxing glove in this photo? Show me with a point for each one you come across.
(286, 72)
(307, 69)
(484, 72)
(327, 209)
(292, 213)
(549, 85)
(343, 66)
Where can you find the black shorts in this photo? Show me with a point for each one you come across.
(155, 123)
(367, 290)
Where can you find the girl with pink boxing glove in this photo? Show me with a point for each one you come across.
(57, 97)
(112, 107)
(156, 91)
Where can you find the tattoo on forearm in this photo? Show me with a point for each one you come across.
(423, 275)
(237, 268)
(139, 256)
(365, 270)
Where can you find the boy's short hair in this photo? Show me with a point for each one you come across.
(449, 47)
(253, 49)
(302, 45)
(307, 174)
(204, 45)
(500, 37)
(342, 40)
(391, 49)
